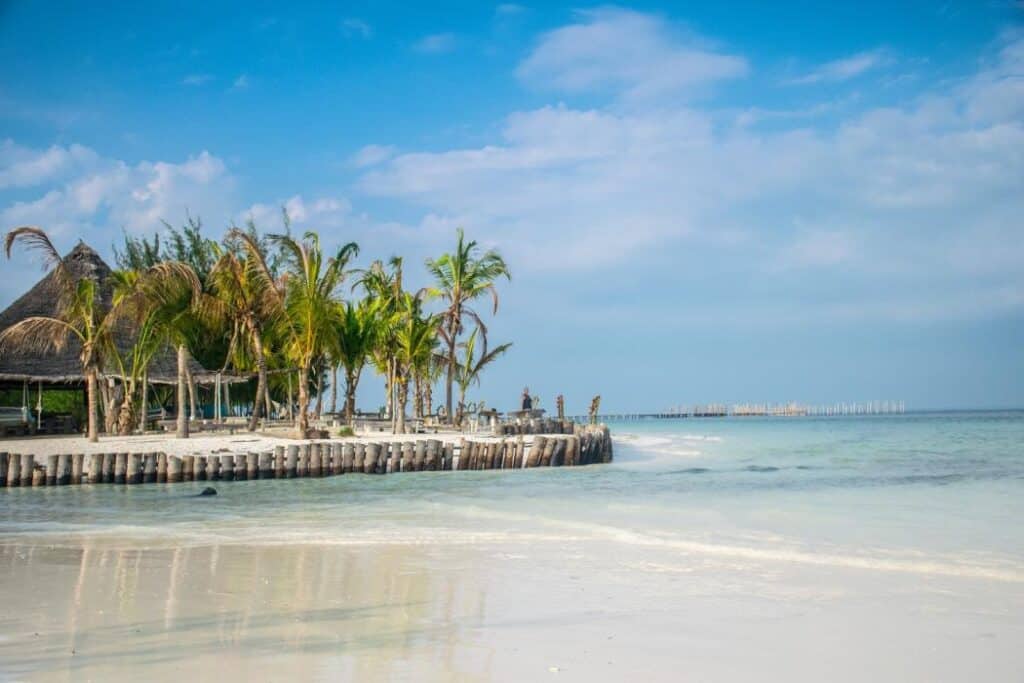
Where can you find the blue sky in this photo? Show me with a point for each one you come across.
(700, 202)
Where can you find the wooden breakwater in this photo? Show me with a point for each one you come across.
(579, 446)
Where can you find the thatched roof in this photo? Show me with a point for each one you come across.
(64, 366)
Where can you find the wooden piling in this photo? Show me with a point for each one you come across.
(279, 465)
(161, 468)
(212, 468)
(132, 470)
(338, 457)
(63, 469)
(407, 451)
(120, 468)
(38, 476)
(348, 457)
(549, 450)
(13, 470)
(315, 461)
(266, 465)
(188, 467)
(109, 465)
(174, 467)
(462, 462)
(4, 465)
(291, 467)
(302, 468)
(252, 466)
(370, 452)
(77, 464)
(558, 455)
(536, 450)
(199, 468)
(419, 455)
(241, 467)
(449, 456)
(432, 459)
(51, 469)
(227, 468)
(95, 468)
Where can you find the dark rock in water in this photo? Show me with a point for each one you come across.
(209, 491)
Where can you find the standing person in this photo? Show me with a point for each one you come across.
(527, 403)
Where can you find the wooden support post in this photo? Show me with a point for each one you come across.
(266, 463)
(212, 468)
(419, 454)
(252, 466)
(241, 467)
(173, 469)
(433, 455)
(462, 461)
(358, 456)
(120, 467)
(161, 468)
(63, 469)
(449, 455)
(536, 449)
(38, 476)
(348, 455)
(132, 470)
(13, 470)
(315, 462)
(291, 462)
(199, 468)
(407, 450)
(4, 465)
(302, 468)
(109, 465)
(572, 443)
(51, 470)
(279, 462)
(77, 467)
(558, 454)
(95, 468)
(370, 455)
(188, 467)
(227, 467)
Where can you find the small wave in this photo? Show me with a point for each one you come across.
(761, 468)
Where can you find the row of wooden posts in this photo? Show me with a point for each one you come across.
(547, 425)
(586, 446)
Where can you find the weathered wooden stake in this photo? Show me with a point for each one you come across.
(174, 467)
(370, 456)
(279, 466)
(227, 468)
(120, 468)
(266, 465)
(302, 468)
(315, 467)
(4, 465)
(188, 467)
(77, 465)
(212, 468)
(51, 469)
(291, 466)
(132, 469)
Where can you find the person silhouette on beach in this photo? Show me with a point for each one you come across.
(527, 401)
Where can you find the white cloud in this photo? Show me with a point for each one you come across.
(845, 68)
(242, 82)
(26, 167)
(435, 43)
(371, 155)
(109, 194)
(319, 214)
(924, 195)
(625, 52)
(353, 27)
(197, 79)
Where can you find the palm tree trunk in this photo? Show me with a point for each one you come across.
(302, 425)
(319, 394)
(351, 380)
(334, 389)
(417, 396)
(192, 391)
(261, 382)
(181, 428)
(428, 397)
(403, 400)
(450, 379)
(90, 390)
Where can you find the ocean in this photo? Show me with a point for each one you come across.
(845, 548)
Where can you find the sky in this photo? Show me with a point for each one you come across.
(699, 202)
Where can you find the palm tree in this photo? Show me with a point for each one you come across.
(244, 298)
(357, 333)
(468, 371)
(416, 341)
(305, 296)
(460, 278)
(383, 286)
(80, 315)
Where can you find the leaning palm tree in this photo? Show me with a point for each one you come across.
(468, 371)
(460, 278)
(383, 286)
(80, 315)
(305, 295)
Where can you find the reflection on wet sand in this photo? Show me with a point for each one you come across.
(201, 609)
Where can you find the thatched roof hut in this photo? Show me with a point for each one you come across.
(64, 366)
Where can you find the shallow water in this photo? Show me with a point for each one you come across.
(808, 548)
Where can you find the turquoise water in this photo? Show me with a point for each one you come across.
(943, 483)
(855, 548)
